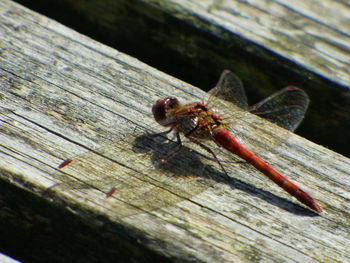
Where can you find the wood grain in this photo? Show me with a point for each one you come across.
(64, 95)
(269, 44)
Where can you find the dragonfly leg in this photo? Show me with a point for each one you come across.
(211, 152)
(160, 133)
(175, 151)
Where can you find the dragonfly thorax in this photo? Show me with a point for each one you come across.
(194, 119)
(198, 121)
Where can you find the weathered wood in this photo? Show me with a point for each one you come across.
(63, 94)
(270, 44)
(6, 259)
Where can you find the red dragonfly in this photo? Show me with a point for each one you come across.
(197, 123)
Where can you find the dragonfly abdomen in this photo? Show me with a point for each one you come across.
(226, 140)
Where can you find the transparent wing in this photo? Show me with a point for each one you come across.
(286, 107)
(229, 88)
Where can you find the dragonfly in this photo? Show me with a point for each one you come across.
(197, 122)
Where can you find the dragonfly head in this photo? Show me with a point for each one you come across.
(161, 109)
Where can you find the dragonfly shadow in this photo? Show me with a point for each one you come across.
(271, 198)
(190, 163)
(164, 155)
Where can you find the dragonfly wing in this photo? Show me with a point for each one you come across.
(229, 88)
(286, 107)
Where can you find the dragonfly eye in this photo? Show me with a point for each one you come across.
(171, 103)
(161, 107)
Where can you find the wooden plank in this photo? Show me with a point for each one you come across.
(6, 259)
(270, 44)
(63, 94)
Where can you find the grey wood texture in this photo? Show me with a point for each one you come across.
(269, 44)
